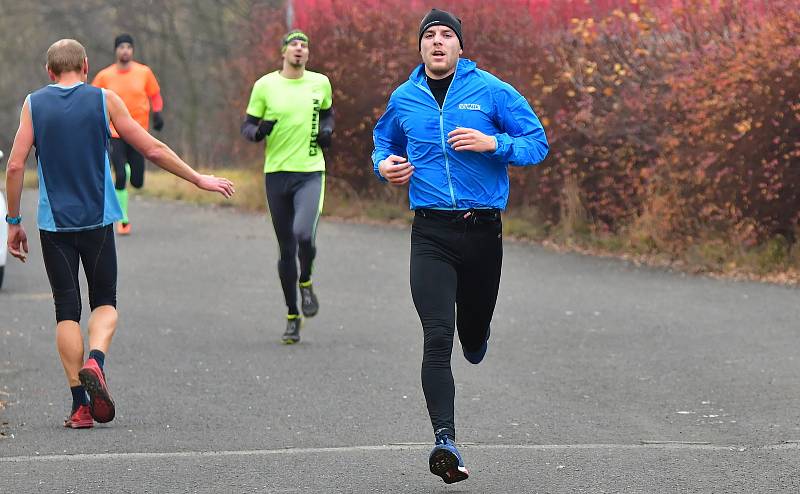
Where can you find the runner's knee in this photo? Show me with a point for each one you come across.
(136, 164)
(287, 265)
(288, 252)
(304, 238)
(438, 341)
(105, 297)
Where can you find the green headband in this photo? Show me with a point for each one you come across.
(293, 36)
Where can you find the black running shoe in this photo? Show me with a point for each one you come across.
(308, 301)
(292, 333)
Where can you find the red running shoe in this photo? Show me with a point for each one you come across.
(80, 419)
(100, 403)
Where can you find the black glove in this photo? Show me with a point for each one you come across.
(158, 122)
(324, 138)
(255, 129)
(326, 124)
(265, 129)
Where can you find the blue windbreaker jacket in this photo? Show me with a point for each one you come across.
(415, 127)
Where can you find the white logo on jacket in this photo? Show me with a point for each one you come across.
(469, 106)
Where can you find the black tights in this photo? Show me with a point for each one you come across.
(456, 257)
(62, 252)
(122, 153)
(295, 203)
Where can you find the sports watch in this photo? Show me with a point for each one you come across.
(16, 220)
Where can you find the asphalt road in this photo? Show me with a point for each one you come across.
(600, 376)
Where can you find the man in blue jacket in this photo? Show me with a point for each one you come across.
(450, 132)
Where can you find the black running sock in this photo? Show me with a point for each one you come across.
(99, 357)
(78, 397)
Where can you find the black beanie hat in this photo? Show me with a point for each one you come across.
(123, 38)
(438, 17)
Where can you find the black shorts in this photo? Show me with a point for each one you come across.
(95, 249)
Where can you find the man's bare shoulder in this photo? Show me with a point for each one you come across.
(113, 100)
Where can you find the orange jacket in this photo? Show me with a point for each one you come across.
(138, 88)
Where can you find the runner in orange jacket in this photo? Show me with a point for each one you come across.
(137, 86)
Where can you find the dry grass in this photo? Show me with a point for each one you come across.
(249, 189)
(574, 219)
(774, 261)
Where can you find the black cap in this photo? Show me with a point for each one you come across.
(438, 17)
(123, 38)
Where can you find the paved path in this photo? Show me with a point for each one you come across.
(600, 376)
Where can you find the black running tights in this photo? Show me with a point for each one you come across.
(456, 258)
(295, 203)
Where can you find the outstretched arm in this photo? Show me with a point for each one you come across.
(158, 152)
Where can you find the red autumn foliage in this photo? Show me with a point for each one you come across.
(544, 14)
(732, 158)
(686, 111)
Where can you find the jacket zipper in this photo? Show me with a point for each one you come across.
(441, 134)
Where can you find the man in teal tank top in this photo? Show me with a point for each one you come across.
(292, 109)
(68, 124)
